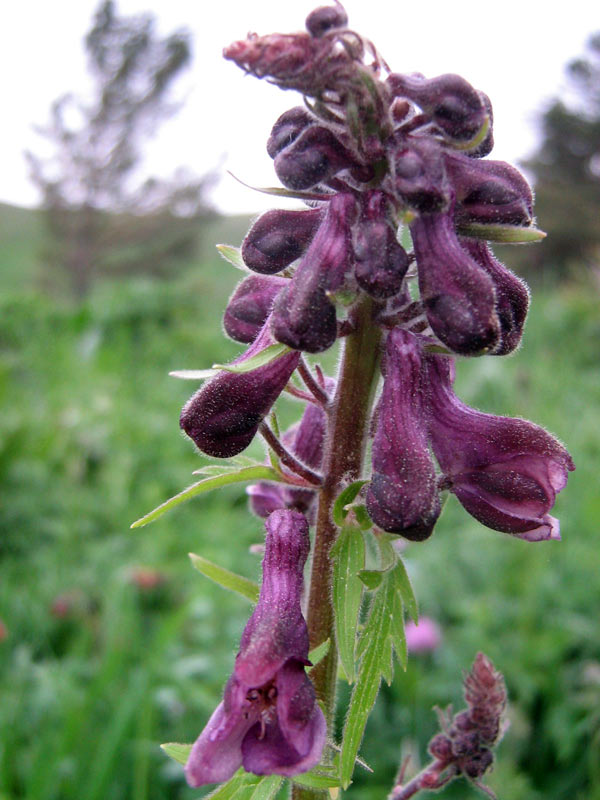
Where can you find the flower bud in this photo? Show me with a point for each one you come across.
(505, 472)
(486, 147)
(315, 156)
(249, 306)
(457, 294)
(489, 191)
(454, 106)
(324, 19)
(287, 129)
(402, 496)
(279, 237)
(303, 316)
(420, 179)
(223, 417)
(380, 261)
(512, 296)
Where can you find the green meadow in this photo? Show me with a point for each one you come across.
(112, 642)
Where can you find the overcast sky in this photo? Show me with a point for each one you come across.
(514, 50)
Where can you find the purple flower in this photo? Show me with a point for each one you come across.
(380, 261)
(403, 496)
(287, 128)
(457, 293)
(453, 105)
(419, 175)
(223, 416)
(303, 315)
(489, 191)
(512, 296)
(315, 156)
(505, 472)
(249, 306)
(279, 237)
(269, 721)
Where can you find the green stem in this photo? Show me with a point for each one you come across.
(342, 463)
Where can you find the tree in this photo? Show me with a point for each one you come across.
(566, 168)
(95, 207)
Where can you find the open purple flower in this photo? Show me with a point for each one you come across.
(403, 495)
(269, 721)
(506, 472)
(223, 416)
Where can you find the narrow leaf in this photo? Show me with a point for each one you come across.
(215, 469)
(318, 653)
(506, 234)
(265, 356)
(371, 578)
(178, 752)
(349, 559)
(267, 788)
(279, 191)
(240, 781)
(397, 633)
(206, 485)
(314, 780)
(233, 255)
(403, 585)
(343, 499)
(228, 580)
(193, 374)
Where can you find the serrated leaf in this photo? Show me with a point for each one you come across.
(375, 663)
(206, 485)
(504, 234)
(343, 499)
(223, 577)
(233, 255)
(349, 559)
(265, 356)
(193, 374)
(178, 752)
(318, 653)
(403, 585)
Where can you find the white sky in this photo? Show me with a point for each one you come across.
(514, 50)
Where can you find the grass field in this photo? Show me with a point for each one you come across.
(114, 644)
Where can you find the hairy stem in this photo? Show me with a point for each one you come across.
(342, 463)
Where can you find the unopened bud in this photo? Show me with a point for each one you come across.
(326, 18)
(287, 128)
(279, 237)
(420, 177)
(249, 306)
(315, 156)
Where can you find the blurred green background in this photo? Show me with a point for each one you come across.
(111, 643)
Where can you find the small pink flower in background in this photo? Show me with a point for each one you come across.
(3, 631)
(146, 578)
(423, 637)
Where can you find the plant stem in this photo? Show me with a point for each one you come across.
(342, 463)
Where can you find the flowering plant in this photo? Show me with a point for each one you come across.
(390, 256)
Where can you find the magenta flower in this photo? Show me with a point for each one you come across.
(424, 637)
(505, 472)
(403, 495)
(269, 721)
(223, 416)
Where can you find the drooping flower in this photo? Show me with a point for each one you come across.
(506, 472)
(269, 721)
(402, 496)
(303, 315)
(457, 293)
(223, 416)
(250, 305)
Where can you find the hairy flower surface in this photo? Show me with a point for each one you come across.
(269, 721)
(223, 416)
(403, 495)
(250, 305)
(506, 472)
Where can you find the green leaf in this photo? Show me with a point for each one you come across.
(233, 255)
(237, 786)
(215, 469)
(228, 580)
(318, 653)
(193, 374)
(206, 485)
(265, 356)
(397, 634)
(343, 499)
(178, 752)
(278, 191)
(375, 662)
(349, 558)
(316, 780)
(371, 578)
(505, 234)
(267, 788)
(403, 585)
